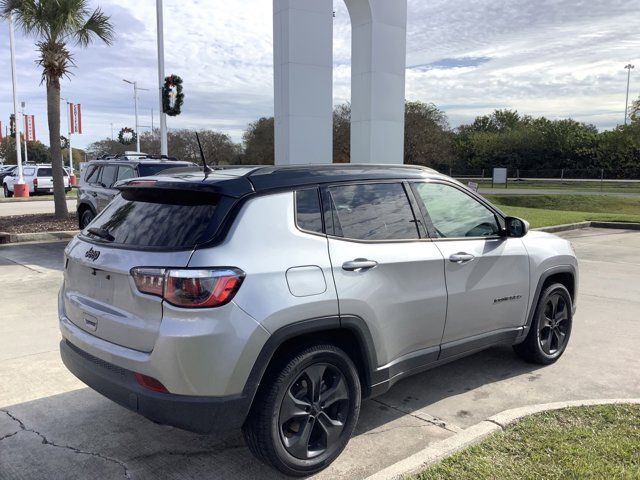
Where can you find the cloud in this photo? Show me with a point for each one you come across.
(558, 58)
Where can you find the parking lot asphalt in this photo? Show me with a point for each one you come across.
(52, 426)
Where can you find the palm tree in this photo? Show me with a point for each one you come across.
(54, 23)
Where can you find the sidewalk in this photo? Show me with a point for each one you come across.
(31, 206)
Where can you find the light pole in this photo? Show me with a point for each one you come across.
(135, 102)
(24, 122)
(628, 67)
(163, 118)
(19, 188)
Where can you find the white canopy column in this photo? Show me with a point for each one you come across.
(378, 62)
(303, 65)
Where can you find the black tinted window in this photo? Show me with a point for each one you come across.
(108, 176)
(92, 174)
(125, 172)
(156, 221)
(373, 212)
(308, 212)
(153, 169)
(45, 172)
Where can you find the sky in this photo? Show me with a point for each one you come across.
(557, 58)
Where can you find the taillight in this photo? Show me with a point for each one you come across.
(202, 288)
(149, 280)
(35, 182)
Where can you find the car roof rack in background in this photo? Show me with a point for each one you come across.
(135, 156)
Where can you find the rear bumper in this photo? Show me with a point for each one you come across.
(193, 413)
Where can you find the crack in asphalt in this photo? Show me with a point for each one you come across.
(426, 424)
(194, 453)
(436, 421)
(46, 441)
(10, 435)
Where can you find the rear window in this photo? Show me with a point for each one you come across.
(156, 219)
(308, 212)
(148, 170)
(45, 172)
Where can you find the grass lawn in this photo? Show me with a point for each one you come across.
(595, 186)
(600, 442)
(546, 210)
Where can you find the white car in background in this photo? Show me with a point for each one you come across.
(39, 178)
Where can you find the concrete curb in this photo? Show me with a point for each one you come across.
(476, 433)
(36, 237)
(593, 224)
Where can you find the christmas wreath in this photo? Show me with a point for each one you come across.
(127, 136)
(172, 96)
(64, 142)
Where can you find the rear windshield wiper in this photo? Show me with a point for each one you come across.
(101, 233)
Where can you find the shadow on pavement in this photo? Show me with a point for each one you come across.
(47, 255)
(88, 429)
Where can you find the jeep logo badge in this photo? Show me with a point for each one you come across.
(92, 254)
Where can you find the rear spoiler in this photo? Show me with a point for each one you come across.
(234, 187)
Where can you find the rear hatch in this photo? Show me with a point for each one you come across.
(139, 228)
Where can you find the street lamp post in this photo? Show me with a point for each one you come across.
(628, 67)
(19, 188)
(163, 118)
(135, 102)
(24, 122)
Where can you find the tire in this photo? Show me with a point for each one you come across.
(275, 429)
(86, 217)
(550, 328)
(7, 193)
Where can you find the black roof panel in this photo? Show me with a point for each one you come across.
(267, 178)
(237, 181)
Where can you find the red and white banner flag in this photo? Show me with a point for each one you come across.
(30, 128)
(75, 118)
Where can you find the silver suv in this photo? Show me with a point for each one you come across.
(276, 299)
(96, 187)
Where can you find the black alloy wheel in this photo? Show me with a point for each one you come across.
(550, 327)
(554, 324)
(313, 411)
(305, 411)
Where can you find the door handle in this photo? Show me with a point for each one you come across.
(359, 265)
(461, 258)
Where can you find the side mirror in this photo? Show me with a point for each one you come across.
(516, 227)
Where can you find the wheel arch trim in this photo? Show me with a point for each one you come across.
(566, 269)
(352, 324)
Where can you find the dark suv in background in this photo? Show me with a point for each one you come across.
(96, 184)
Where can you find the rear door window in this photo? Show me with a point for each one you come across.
(45, 172)
(372, 212)
(156, 219)
(93, 174)
(125, 172)
(108, 176)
